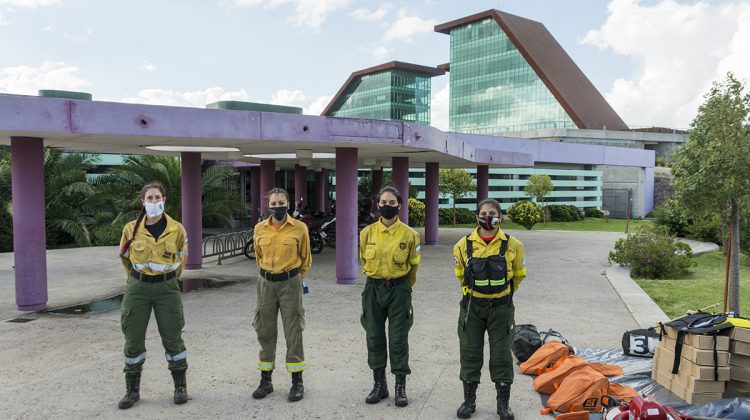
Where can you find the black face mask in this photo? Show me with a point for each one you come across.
(279, 212)
(388, 212)
(487, 222)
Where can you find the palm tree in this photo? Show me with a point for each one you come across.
(6, 221)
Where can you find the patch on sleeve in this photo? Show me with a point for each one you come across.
(455, 261)
(523, 263)
(419, 247)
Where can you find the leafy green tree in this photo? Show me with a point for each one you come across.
(539, 187)
(121, 187)
(712, 172)
(455, 183)
(6, 221)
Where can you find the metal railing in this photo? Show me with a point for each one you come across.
(226, 245)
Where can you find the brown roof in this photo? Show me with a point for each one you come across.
(393, 65)
(572, 89)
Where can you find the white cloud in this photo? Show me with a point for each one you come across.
(80, 37)
(680, 48)
(307, 13)
(27, 80)
(439, 108)
(379, 53)
(148, 67)
(28, 3)
(298, 98)
(406, 27)
(198, 98)
(370, 15)
(3, 22)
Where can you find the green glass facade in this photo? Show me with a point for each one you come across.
(394, 95)
(493, 88)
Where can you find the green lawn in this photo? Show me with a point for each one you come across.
(589, 224)
(705, 286)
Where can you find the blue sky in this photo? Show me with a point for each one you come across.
(653, 60)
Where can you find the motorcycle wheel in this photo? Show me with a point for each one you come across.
(331, 241)
(316, 243)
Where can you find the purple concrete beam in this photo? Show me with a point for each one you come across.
(431, 218)
(347, 240)
(483, 182)
(321, 179)
(255, 196)
(267, 182)
(400, 177)
(192, 214)
(300, 186)
(29, 239)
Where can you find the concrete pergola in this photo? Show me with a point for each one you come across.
(28, 124)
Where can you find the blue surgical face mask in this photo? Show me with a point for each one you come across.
(154, 209)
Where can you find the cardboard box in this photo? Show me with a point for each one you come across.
(732, 392)
(684, 379)
(740, 334)
(739, 347)
(700, 357)
(739, 373)
(740, 360)
(702, 342)
(665, 358)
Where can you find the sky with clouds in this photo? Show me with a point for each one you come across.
(652, 59)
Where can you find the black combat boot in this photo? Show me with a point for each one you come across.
(380, 387)
(400, 397)
(180, 386)
(298, 390)
(503, 398)
(265, 387)
(133, 387)
(470, 400)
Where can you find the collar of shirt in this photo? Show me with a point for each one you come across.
(478, 238)
(392, 228)
(269, 222)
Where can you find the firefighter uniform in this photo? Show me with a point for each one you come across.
(390, 258)
(283, 257)
(153, 267)
(488, 281)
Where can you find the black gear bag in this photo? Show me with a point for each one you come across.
(525, 342)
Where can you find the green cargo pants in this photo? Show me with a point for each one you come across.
(394, 304)
(286, 297)
(498, 323)
(164, 297)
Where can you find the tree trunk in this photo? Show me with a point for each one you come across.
(454, 212)
(734, 270)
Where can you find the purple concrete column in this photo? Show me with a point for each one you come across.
(346, 215)
(431, 191)
(377, 180)
(254, 195)
(483, 182)
(192, 214)
(300, 186)
(400, 176)
(267, 181)
(321, 179)
(29, 239)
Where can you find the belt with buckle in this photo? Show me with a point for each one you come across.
(389, 282)
(488, 302)
(156, 278)
(279, 276)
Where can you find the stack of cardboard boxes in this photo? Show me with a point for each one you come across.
(696, 381)
(739, 364)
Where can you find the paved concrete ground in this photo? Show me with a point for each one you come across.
(64, 367)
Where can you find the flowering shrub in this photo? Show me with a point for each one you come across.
(525, 213)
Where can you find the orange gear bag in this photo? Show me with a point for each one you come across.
(549, 381)
(545, 357)
(575, 415)
(582, 390)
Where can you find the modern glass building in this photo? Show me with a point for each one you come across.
(393, 91)
(508, 74)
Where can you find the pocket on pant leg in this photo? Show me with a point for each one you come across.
(256, 320)
(125, 317)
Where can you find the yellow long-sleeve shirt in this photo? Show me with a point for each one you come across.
(389, 252)
(515, 258)
(278, 251)
(155, 256)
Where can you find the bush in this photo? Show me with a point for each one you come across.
(653, 254)
(567, 213)
(668, 216)
(416, 212)
(525, 213)
(593, 212)
(463, 216)
(106, 235)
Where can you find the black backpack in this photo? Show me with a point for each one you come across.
(525, 342)
(641, 342)
(698, 323)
